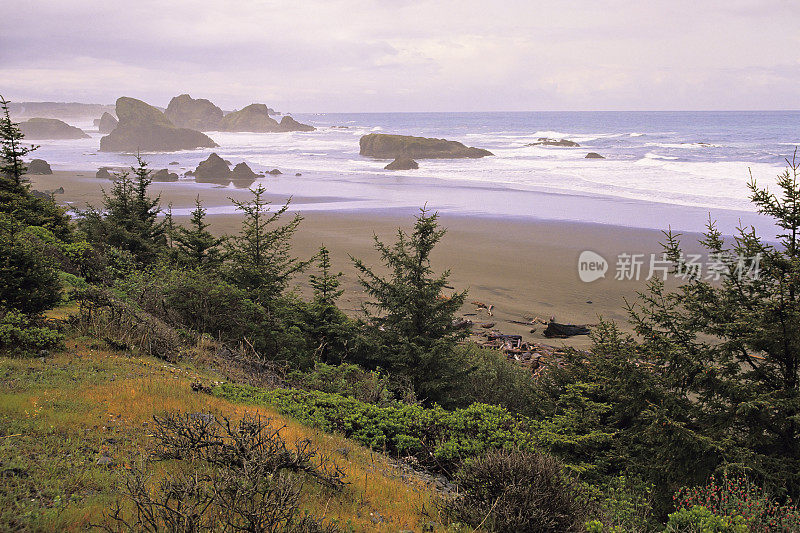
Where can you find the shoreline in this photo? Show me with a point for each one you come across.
(525, 267)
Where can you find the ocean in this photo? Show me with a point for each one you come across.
(660, 168)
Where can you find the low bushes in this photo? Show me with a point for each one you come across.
(438, 438)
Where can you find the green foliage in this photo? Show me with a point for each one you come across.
(438, 438)
(12, 152)
(409, 318)
(345, 379)
(22, 335)
(129, 218)
(624, 504)
(508, 491)
(698, 519)
(198, 247)
(28, 279)
(329, 329)
(733, 346)
(261, 263)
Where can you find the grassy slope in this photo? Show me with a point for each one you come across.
(59, 415)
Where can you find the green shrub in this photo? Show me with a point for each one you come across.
(438, 438)
(698, 519)
(514, 490)
(346, 379)
(21, 335)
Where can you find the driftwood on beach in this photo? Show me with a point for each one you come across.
(554, 329)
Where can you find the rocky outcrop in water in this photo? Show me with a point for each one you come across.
(384, 146)
(212, 170)
(142, 127)
(106, 123)
(50, 128)
(163, 175)
(256, 118)
(402, 163)
(104, 174)
(196, 114)
(290, 124)
(39, 166)
(594, 155)
(565, 143)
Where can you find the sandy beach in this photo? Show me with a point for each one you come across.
(526, 268)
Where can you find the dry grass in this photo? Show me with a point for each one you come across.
(58, 416)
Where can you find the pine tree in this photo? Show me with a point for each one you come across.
(12, 152)
(261, 260)
(197, 246)
(410, 316)
(733, 345)
(330, 328)
(129, 218)
(16, 199)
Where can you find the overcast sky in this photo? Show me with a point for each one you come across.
(402, 55)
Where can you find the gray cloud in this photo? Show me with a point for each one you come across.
(372, 55)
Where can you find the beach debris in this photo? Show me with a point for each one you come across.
(462, 323)
(488, 325)
(485, 307)
(554, 329)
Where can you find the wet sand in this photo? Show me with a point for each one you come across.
(526, 268)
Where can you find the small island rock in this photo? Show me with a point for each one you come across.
(50, 128)
(385, 146)
(402, 163)
(196, 114)
(594, 155)
(40, 167)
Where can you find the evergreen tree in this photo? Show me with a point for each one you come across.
(261, 260)
(330, 329)
(410, 317)
(15, 197)
(724, 355)
(129, 218)
(197, 246)
(12, 152)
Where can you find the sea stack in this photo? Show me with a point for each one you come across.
(196, 114)
(402, 163)
(107, 123)
(256, 118)
(143, 127)
(50, 128)
(40, 167)
(384, 146)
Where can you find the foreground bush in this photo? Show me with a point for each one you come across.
(698, 519)
(514, 491)
(232, 476)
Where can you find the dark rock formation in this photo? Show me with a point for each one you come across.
(107, 123)
(544, 141)
(163, 175)
(143, 127)
(594, 155)
(242, 172)
(256, 118)
(50, 128)
(200, 114)
(40, 195)
(104, 174)
(383, 146)
(39, 166)
(212, 170)
(275, 172)
(174, 163)
(297, 174)
(290, 124)
(402, 163)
